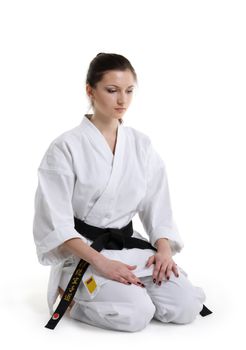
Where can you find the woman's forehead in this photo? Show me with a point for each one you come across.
(118, 78)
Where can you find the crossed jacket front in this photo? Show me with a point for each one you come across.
(80, 176)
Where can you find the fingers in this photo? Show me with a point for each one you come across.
(168, 270)
(131, 267)
(123, 280)
(162, 270)
(161, 274)
(131, 278)
(157, 268)
(175, 270)
(150, 261)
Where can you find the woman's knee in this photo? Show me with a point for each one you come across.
(182, 311)
(189, 303)
(131, 313)
(187, 309)
(180, 303)
(141, 315)
(134, 307)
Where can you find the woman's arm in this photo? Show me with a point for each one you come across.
(112, 269)
(162, 244)
(81, 249)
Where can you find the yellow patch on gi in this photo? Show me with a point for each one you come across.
(91, 284)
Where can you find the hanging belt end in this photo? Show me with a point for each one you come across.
(205, 311)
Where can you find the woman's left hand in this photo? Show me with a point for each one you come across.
(164, 265)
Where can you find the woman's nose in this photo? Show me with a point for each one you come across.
(121, 99)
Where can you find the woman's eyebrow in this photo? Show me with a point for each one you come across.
(118, 86)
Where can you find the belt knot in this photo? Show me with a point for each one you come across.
(115, 239)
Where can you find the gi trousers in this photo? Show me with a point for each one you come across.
(130, 308)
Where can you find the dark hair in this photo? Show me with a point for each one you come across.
(104, 62)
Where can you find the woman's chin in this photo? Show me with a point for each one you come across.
(119, 115)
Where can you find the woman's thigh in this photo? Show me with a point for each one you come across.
(176, 300)
(116, 306)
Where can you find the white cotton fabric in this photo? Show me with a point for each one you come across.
(130, 308)
(80, 176)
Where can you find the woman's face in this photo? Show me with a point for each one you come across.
(113, 91)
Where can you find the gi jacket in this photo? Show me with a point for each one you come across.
(80, 176)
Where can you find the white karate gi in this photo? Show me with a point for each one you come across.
(80, 176)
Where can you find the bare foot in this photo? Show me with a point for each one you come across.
(61, 292)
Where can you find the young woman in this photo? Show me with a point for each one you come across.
(103, 173)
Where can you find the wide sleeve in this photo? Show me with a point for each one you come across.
(53, 222)
(155, 210)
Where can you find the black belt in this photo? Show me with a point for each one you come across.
(107, 238)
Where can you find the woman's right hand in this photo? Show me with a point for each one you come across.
(117, 271)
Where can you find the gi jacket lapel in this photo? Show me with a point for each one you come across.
(98, 140)
(102, 207)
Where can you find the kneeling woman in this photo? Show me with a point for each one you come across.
(92, 180)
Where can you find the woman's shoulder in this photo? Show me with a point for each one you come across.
(139, 136)
(62, 147)
(139, 141)
(67, 139)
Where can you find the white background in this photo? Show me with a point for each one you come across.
(190, 60)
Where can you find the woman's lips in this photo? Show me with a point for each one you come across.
(120, 109)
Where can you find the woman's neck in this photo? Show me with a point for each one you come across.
(106, 127)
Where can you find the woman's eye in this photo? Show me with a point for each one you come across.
(111, 91)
